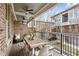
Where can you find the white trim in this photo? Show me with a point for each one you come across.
(13, 11)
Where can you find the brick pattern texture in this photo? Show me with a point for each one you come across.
(3, 44)
(6, 29)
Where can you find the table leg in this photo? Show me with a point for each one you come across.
(33, 51)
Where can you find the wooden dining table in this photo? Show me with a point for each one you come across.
(36, 42)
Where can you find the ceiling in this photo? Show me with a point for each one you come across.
(34, 6)
(37, 8)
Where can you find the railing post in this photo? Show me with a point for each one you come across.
(61, 44)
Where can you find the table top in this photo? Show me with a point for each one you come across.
(36, 42)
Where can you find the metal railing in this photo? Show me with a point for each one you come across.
(67, 43)
(70, 44)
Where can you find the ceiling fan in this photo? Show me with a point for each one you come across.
(28, 10)
(28, 13)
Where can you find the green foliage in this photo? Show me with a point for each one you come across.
(77, 53)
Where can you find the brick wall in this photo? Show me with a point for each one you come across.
(6, 29)
(21, 29)
(3, 21)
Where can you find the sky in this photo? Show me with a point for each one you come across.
(61, 7)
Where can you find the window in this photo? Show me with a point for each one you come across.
(65, 17)
(70, 14)
(77, 12)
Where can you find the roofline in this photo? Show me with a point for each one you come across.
(66, 10)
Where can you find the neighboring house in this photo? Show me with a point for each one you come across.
(67, 23)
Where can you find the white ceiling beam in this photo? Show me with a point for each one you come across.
(20, 13)
(12, 6)
(46, 7)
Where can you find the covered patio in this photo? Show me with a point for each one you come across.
(39, 29)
